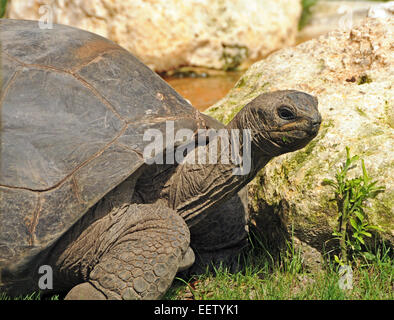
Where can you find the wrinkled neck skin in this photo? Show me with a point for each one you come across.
(195, 188)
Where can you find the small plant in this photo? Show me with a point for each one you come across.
(351, 196)
(306, 12)
(3, 5)
(291, 260)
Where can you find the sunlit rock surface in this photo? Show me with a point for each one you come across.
(166, 34)
(352, 74)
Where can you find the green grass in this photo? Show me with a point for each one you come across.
(284, 277)
(266, 278)
(32, 296)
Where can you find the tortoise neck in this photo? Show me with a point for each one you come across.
(200, 184)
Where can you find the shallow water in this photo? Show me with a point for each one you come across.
(202, 92)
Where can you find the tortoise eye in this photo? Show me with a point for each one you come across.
(285, 113)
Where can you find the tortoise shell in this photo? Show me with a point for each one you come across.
(74, 108)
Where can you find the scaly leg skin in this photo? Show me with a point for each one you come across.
(143, 258)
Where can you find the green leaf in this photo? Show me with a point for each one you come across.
(369, 256)
(359, 215)
(371, 227)
(355, 158)
(367, 234)
(329, 182)
(337, 235)
(361, 240)
(337, 260)
(372, 184)
(365, 174)
(347, 153)
(353, 223)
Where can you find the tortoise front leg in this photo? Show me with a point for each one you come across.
(142, 260)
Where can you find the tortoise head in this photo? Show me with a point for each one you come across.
(278, 122)
(281, 121)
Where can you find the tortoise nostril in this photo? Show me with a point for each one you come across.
(315, 124)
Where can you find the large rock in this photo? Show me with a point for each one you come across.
(326, 16)
(166, 34)
(351, 73)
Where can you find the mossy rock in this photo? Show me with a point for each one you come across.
(288, 193)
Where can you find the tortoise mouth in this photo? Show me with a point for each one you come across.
(293, 139)
(297, 131)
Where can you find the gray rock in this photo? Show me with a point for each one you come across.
(166, 34)
(351, 73)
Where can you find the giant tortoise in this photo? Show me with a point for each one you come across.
(80, 195)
